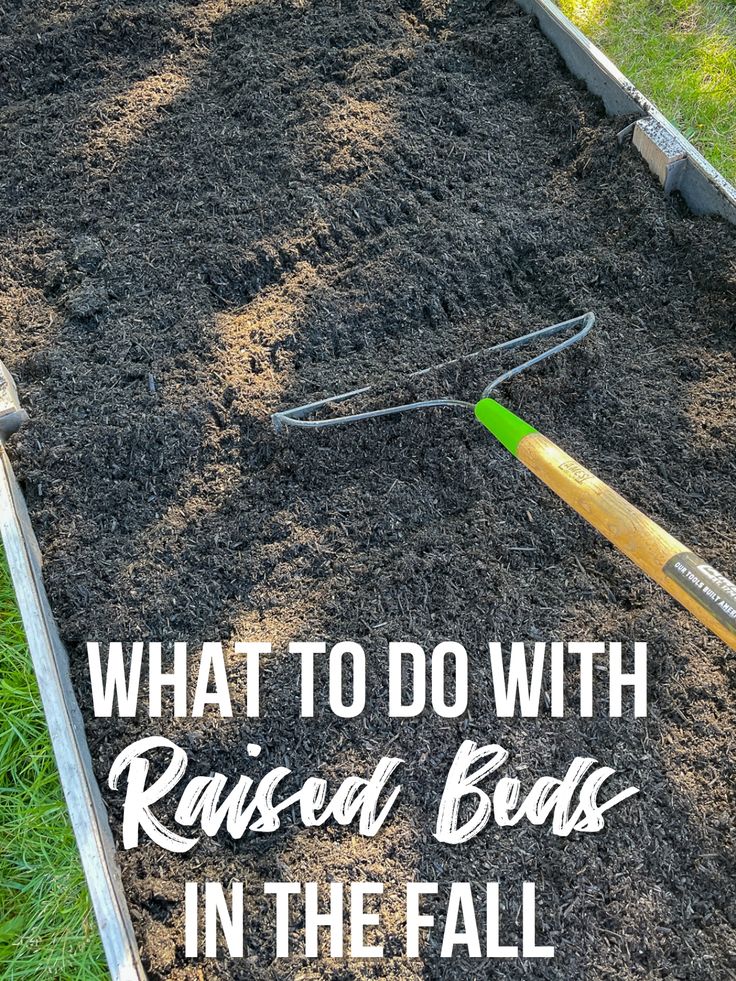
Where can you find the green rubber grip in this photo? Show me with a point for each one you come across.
(508, 428)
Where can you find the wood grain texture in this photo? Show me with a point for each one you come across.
(632, 532)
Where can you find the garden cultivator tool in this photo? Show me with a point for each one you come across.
(700, 588)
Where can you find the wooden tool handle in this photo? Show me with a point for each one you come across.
(708, 594)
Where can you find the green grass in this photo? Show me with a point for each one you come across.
(47, 928)
(679, 53)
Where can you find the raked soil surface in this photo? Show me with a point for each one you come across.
(209, 211)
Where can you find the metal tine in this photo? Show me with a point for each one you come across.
(296, 415)
(588, 319)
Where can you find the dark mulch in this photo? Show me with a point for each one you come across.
(211, 210)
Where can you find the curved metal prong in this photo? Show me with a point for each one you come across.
(587, 319)
(297, 415)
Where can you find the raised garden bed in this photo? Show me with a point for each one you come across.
(211, 211)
